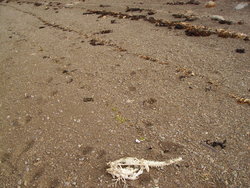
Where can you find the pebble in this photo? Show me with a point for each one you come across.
(66, 183)
(210, 4)
(241, 5)
(235, 174)
(25, 183)
(137, 141)
(217, 17)
(130, 101)
(68, 5)
(19, 182)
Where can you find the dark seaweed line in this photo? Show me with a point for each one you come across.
(191, 2)
(106, 43)
(190, 30)
(86, 36)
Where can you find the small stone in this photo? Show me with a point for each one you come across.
(241, 5)
(19, 182)
(137, 141)
(69, 5)
(130, 101)
(25, 183)
(217, 17)
(210, 4)
(66, 183)
(235, 174)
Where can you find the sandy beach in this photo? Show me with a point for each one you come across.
(87, 82)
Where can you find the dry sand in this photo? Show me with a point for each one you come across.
(78, 89)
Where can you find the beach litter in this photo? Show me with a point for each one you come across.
(130, 168)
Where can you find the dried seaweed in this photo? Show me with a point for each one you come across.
(191, 2)
(104, 6)
(137, 17)
(176, 3)
(228, 22)
(95, 42)
(151, 20)
(216, 143)
(163, 24)
(134, 9)
(184, 73)
(179, 26)
(190, 30)
(240, 50)
(228, 34)
(151, 12)
(241, 100)
(88, 99)
(104, 31)
(147, 58)
(38, 4)
(149, 101)
(195, 31)
(187, 17)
